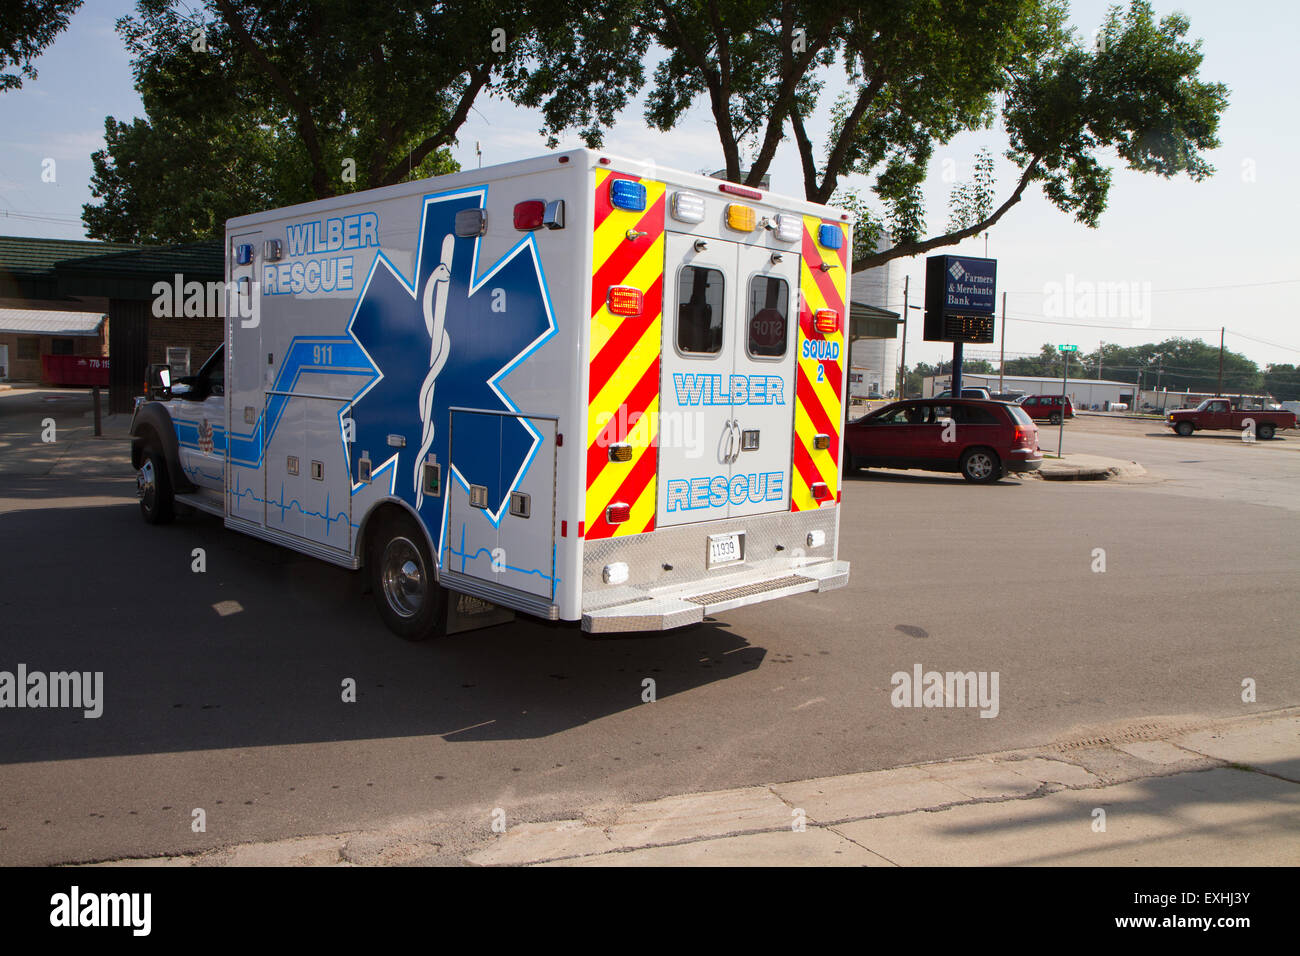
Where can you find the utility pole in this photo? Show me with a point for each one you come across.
(902, 384)
(1219, 392)
(1101, 349)
(1002, 353)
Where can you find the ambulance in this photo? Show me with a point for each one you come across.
(577, 387)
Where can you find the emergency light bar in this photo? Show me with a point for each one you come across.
(830, 236)
(740, 190)
(627, 194)
(624, 300)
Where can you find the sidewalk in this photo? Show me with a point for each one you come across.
(1225, 792)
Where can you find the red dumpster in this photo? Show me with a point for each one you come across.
(82, 370)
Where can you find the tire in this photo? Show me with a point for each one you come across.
(981, 465)
(1265, 431)
(1055, 418)
(153, 486)
(404, 580)
(1184, 428)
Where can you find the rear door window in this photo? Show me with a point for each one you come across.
(974, 415)
(700, 298)
(769, 309)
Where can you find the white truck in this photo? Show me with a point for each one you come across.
(579, 387)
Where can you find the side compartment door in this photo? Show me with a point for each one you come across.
(697, 437)
(501, 527)
(762, 385)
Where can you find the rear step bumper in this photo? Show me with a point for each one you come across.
(690, 606)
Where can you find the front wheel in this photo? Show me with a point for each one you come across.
(1055, 418)
(981, 465)
(154, 488)
(403, 580)
(1184, 428)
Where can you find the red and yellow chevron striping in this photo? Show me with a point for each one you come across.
(623, 375)
(819, 371)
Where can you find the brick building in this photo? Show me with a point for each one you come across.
(73, 276)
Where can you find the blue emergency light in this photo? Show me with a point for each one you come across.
(830, 236)
(244, 253)
(627, 194)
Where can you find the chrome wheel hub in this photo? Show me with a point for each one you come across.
(979, 466)
(404, 577)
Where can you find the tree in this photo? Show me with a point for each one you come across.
(282, 102)
(1282, 382)
(26, 28)
(921, 71)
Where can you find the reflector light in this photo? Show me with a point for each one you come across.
(830, 236)
(740, 191)
(741, 217)
(788, 228)
(615, 573)
(624, 300)
(529, 214)
(821, 442)
(688, 207)
(826, 321)
(627, 194)
(620, 452)
(819, 491)
(618, 512)
(816, 538)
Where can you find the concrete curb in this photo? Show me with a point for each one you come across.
(1088, 468)
(1170, 791)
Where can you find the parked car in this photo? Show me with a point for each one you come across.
(1007, 396)
(1218, 413)
(1047, 407)
(973, 392)
(875, 397)
(980, 439)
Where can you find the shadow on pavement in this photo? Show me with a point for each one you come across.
(255, 650)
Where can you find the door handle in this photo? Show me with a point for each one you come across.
(735, 427)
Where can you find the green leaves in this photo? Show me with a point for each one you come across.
(26, 28)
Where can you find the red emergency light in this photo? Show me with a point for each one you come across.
(624, 300)
(820, 491)
(740, 191)
(618, 513)
(529, 214)
(826, 321)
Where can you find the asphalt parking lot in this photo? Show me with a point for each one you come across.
(222, 689)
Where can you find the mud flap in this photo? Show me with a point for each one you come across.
(468, 613)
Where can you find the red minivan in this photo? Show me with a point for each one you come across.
(1047, 407)
(981, 439)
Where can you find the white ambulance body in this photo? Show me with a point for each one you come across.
(580, 387)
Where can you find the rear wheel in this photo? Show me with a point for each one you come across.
(402, 577)
(1184, 428)
(153, 487)
(1265, 431)
(981, 465)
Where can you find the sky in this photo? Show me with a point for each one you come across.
(1170, 257)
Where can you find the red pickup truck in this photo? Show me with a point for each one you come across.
(1218, 413)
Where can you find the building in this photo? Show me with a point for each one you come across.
(51, 277)
(875, 313)
(28, 335)
(1083, 392)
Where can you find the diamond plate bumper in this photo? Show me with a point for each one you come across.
(639, 611)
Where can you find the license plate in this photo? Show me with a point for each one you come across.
(725, 548)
